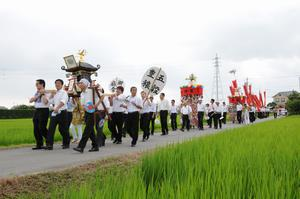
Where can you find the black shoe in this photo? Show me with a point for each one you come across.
(152, 133)
(66, 147)
(143, 140)
(132, 145)
(119, 142)
(182, 130)
(38, 148)
(115, 141)
(49, 148)
(94, 149)
(78, 149)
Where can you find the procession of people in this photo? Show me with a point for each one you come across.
(123, 114)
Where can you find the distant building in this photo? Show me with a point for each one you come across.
(282, 97)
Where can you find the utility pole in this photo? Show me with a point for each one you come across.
(217, 92)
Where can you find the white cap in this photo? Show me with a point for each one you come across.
(85, 82)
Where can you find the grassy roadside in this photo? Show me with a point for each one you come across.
(37, 185)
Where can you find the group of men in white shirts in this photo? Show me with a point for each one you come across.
(141, 112)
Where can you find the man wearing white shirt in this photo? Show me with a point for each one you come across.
(41, 114)
(59, 116)
(218, 115)
(211, 112)
(87, 98)
(225, 110)
(252, 113)
(153, 112)
(134, 104)
(163, 109)
(145, 116)
(118, 102)
(239, 109)
(200, 110)
(173, 112)
(185, 111)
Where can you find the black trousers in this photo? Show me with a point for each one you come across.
(210, 119)
(144, 124)
(217, 121)
(164, 122)
(100, 119)
(89, 131)
(224, 117)
(185, 122)
(200, 119)
(152, 122)
(124, 125)
(117, 125)
(174, 121)
(133, 126)
(62, 121)
(239, 116)
(40, 121)
(251, 117)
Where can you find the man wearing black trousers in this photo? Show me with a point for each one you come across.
(225, 110)
(134, 104)
(41, 114)
(239, 109)
(211, 112)
(87, 97)
(59, 116)
(218, 115)
(173, 113)
(145, 116)
(152, 114)
(186, 110)
(163, 109)
(200, 110)
(118, 100)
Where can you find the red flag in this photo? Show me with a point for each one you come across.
(231, 90)
(234, 83)
(261, 99)
(265, 98)
(250, 89)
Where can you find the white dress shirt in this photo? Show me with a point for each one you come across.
(212, 107)
(225, 108)
(39, 102)
(153, 107)
(186, 110)
(174, 109)
(253, 109)
(130, 104)
(146, 107)
(60, 96)
(200, 107)
(239, 107)
(163, 105)
(117, 102)
(219, 109)
(87, 97)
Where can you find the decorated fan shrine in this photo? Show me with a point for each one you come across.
(190, 94)
(246, 97)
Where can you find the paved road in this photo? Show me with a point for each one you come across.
(23, 161)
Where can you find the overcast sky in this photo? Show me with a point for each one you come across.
(258, 38)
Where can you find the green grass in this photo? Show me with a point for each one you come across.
(256, 161)
(19, 132)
